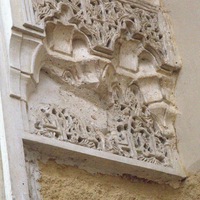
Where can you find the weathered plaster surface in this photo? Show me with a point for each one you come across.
(59, 182)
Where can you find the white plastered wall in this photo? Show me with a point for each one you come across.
(185, 17)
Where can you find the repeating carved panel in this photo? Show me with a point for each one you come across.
(132, 130)
(125, 80)
(104, 21)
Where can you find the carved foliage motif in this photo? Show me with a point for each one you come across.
(130, 84)
(132, 130)
(43, 8)
(103, 21)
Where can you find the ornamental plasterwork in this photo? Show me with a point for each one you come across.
(132, 130)
(103, 22)
(109, 54)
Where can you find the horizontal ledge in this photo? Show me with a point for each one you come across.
(101, 162)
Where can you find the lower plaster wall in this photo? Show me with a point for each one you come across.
(59, 182)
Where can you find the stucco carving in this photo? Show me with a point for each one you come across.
(132, 130)
(89, 81)
(134, 135)
(113, 52)
(103, 22)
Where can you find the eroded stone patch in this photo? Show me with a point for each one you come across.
(59, 182)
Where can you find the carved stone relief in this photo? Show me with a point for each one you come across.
(103, 22)
(107, 56)
(130, 128)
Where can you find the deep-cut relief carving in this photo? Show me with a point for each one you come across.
(103, 21)
(126, 80)
(43, 8)
(133, 135)
(132, 130)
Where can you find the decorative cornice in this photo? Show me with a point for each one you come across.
(104, 22)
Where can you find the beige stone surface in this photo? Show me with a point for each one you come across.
(59, 182)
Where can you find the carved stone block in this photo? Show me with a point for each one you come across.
(105, 82)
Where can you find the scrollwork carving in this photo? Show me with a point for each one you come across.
(128, 81)
(103, 21)
(132, 130)
(43, 8)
